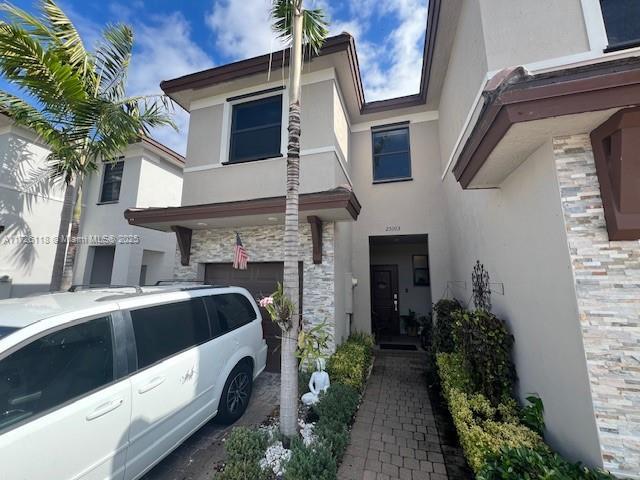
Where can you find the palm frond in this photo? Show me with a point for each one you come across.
(30, 117)
(34, 25)
(113, 55)
(314, 23)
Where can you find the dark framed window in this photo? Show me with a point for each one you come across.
(55, 369)
(622, 22)
(233, 310)
(256, 130)
(111, 181)
(420, 270)
(391, 155)
(164, 330)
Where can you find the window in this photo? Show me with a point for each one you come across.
(111, 181)
(55, 369)
(234, 310)
(622, 22)
(391, 159)
(256, 129)
(164, 330)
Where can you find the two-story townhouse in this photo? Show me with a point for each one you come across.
(109, 249)
(519, 151)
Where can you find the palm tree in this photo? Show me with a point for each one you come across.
(297, 27)
(75, 101)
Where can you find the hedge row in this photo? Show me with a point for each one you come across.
(500, 439)
(333, 415)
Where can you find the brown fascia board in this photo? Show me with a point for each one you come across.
(339, 43)
(518, 97)
(336, 198)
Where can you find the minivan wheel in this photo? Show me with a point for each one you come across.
(236, 394)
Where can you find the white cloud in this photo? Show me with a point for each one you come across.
(242, 29)
(164, 50)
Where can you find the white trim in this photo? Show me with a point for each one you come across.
(594, 24)
(427, 116)
(307, 79)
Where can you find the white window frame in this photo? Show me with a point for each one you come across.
(227, 114)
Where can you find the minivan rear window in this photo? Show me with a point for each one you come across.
(164, 330)
(234, 310)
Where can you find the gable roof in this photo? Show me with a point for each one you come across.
(339, 43)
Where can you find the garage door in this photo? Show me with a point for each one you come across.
(261, 279)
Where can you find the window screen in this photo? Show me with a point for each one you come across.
(55, 369)
(234, 310)
(256, 129)
(111, 181)
(391, 159)
(164, 330)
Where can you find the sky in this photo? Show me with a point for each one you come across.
(174, 38)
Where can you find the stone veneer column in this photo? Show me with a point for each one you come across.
(264, 244)
(607, 283)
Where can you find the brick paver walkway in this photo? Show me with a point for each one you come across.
(395, 434)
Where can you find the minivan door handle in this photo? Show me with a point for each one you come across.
(104, 409)
(155, 382)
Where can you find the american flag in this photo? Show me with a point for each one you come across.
(240, 255)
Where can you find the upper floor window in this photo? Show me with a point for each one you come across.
(391, 156)
(622, 21)
(111, 181)
(256, 129)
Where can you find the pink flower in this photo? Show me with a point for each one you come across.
(266, 301)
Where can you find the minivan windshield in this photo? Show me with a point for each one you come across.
(4, 331)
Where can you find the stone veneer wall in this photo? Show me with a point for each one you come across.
(264, 244)
(607, 282)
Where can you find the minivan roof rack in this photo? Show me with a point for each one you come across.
(171, 282)
(75, 288)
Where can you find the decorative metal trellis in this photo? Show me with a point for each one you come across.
(481, 287)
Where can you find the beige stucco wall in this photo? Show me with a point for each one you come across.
(518, 234)
(399, 208)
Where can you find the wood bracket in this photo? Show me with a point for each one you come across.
(183, 235)
(316, 237)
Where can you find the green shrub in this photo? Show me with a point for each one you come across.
(333, 435)
(303, 381)
(532, 414)
(245, 447)
(363, 339)
(243, 470)
(315, 462)
(485, 345)
(338, 404)
(350, 363)
(443, 325)
(535, 464)
(483, 429)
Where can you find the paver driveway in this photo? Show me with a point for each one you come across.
(198, 456)
(397, 432)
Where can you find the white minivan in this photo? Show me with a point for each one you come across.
(104, 383)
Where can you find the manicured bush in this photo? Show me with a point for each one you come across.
(350, 363)
(245, 447)
(338, 404)
(332, 434)
(483, 429)
(314, 462)
(443, 325)
(535, 464)
(485, 345)
(363, 339)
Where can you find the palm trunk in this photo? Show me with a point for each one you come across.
(63, 232)
(289, 364)
(72, 245)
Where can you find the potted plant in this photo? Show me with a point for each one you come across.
(411, 323)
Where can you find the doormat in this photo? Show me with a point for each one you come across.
(397, 346)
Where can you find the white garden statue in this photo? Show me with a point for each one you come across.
(318, 383)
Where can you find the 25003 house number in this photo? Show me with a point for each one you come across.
(392, 228)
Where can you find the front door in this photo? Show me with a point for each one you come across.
(384, 299)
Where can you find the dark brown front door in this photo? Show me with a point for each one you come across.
(261, 279)
(384, 299)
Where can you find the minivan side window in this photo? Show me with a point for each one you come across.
(234, 310)
(164, 330)
(55, 369)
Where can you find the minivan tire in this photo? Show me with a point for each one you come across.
(235, 394)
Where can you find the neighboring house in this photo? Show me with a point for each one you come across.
(110, 250)
(534, 171)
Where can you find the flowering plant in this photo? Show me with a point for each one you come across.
(279, 308)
